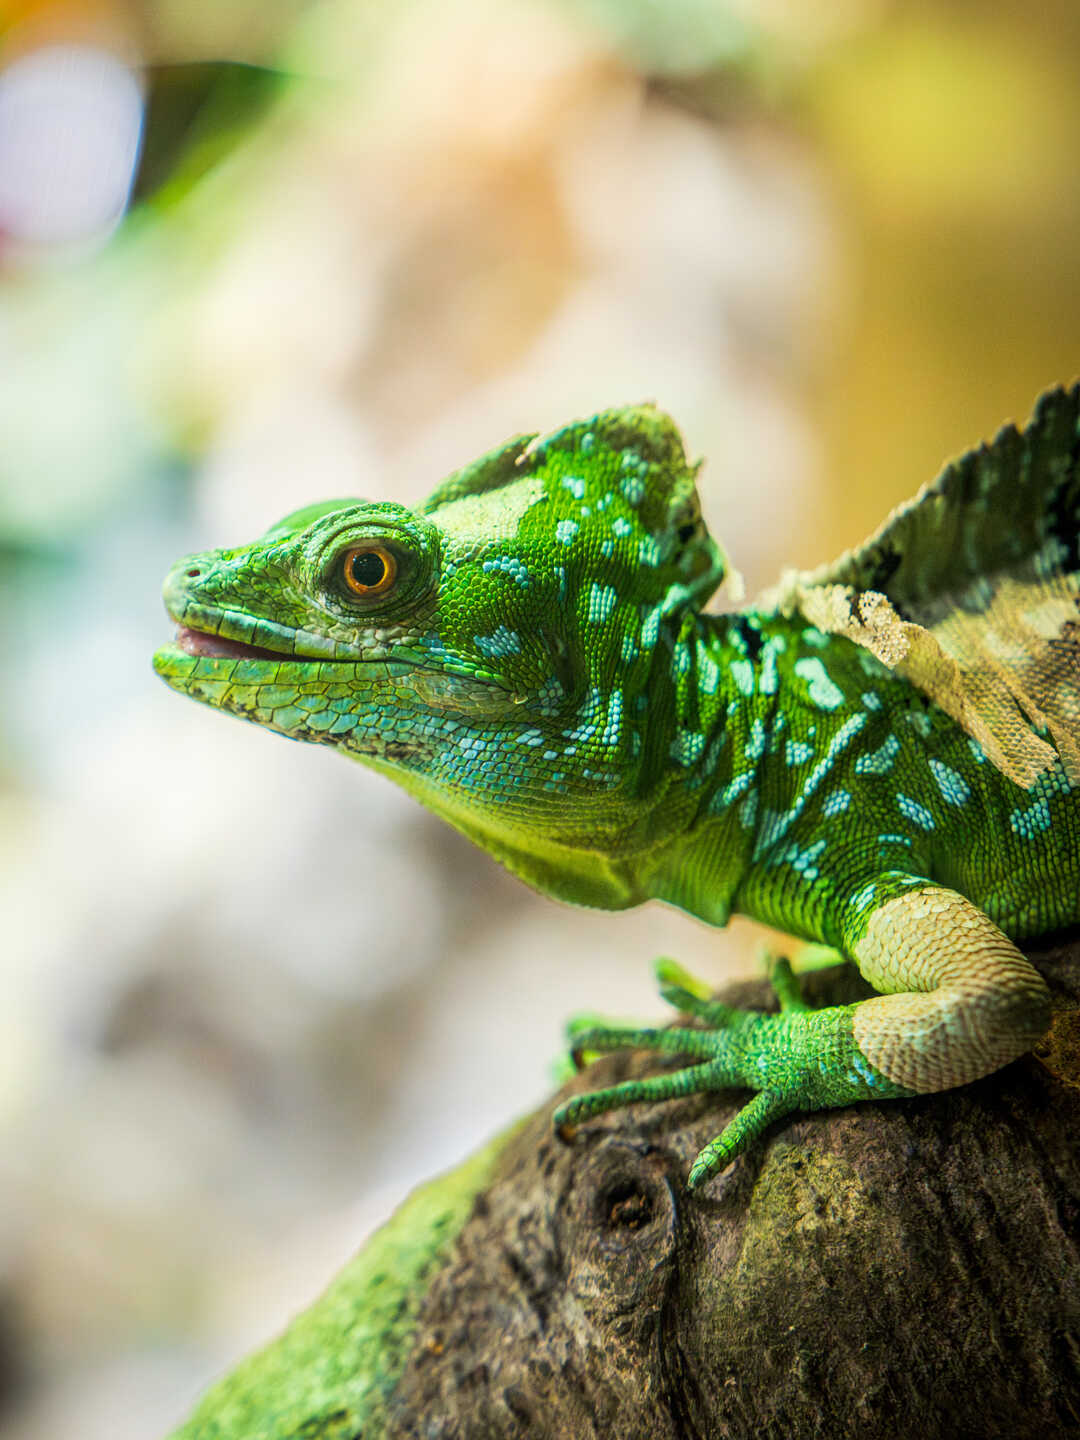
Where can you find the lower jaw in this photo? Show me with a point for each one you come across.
(256, 663)
(176, 660)
(278, 695)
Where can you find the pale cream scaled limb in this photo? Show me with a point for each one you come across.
(959, 999)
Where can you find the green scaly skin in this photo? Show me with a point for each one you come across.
(541, 674)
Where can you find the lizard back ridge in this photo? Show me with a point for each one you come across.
(971, 592)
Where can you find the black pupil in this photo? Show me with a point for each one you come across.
(367, 569)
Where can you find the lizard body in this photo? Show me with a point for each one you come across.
(883, 756)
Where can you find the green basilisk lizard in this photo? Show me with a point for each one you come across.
(883, 755)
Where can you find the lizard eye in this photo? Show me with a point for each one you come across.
(369, 570)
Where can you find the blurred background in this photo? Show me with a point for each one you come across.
(258, 252)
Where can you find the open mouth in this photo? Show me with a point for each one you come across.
(198, 642)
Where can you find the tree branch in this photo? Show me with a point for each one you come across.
(909, 1267)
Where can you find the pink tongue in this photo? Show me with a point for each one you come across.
(197, 642)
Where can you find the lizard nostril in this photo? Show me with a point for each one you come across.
(193, 573)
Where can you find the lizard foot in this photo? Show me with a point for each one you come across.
(799, 1059)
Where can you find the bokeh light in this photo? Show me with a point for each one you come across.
(70, 122)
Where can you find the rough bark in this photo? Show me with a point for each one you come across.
(904, 1268)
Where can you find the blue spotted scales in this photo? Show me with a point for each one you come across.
(883, 755)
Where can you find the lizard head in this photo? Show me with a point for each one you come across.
(488, 648)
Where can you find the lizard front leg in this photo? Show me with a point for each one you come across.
(959, 1001)
(958, 998)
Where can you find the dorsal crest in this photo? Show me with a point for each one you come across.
(971, 591)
